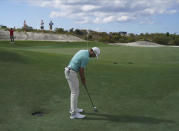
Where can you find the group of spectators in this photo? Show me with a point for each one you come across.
(11, 31)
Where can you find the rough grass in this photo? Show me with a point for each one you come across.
(134, 88)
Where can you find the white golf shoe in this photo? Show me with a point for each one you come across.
(77, 116)
(78, 110)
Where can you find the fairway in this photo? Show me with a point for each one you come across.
(134, 88)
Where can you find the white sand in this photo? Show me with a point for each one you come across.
(139, 44)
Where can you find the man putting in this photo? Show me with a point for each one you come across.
(77, 64)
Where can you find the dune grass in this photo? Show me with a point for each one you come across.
(134, 88)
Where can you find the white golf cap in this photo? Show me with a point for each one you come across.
(96, 50)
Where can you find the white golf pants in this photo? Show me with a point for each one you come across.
(73, 82)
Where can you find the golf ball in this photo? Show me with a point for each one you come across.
(95, 109)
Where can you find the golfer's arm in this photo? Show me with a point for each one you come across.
(82, 75)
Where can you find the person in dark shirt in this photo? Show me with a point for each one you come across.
(51, 25)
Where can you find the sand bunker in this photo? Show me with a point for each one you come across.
(139, 43)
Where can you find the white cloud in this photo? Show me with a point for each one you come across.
(147, 21)
(84, 20)
(171, 11)
(57, 14)
(150, 11)
(123, 18)
(108, 19)
(97, 20)
(106, 11)
(45, 3)
(88, 7)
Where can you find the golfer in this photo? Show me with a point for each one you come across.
(11, 33)
(77, 65)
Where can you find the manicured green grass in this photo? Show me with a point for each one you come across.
(134, 88)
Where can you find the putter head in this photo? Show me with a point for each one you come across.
(95, 109)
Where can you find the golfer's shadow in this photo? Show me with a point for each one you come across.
(126, 118)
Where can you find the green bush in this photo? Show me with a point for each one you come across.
(175, 41)
(59, 30)
(162, 40)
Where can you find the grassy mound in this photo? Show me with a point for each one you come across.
(11, 56)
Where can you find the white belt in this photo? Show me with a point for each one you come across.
(69, 69)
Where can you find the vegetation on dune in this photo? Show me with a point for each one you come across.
(113, 37)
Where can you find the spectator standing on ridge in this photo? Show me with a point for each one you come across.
(42, 25)
(11, 31)
(25, 26)
(51, 25)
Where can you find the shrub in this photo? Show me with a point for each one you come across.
(162, 40)
(59, 30)
(175, 41)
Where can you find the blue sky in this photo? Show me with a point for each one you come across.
(132, 16)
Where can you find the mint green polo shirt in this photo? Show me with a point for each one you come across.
(80, 59)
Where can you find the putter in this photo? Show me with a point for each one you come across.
(94, 107)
